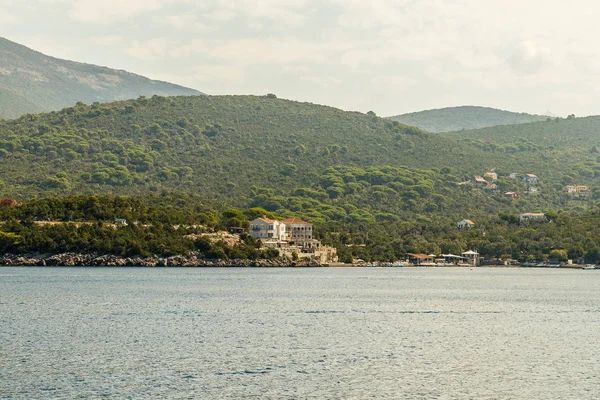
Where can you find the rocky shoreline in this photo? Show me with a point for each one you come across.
(95, 260)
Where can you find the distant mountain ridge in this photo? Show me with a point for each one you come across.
(31, 82)
(464, 117)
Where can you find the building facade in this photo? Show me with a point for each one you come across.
(268, 229)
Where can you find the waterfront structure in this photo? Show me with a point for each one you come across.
(472, 257)
(292, 237)
(421, 259)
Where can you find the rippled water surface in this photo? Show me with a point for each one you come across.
(299, 333)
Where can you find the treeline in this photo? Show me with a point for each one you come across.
(564, 235)
(178, 224)
(163, 225)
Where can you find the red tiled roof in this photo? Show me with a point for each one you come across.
(267, 220)
(295, 221)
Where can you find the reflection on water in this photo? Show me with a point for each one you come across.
(299, 333)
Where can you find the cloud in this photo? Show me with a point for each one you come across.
(108, 11)
(528, 58)
(289, 12)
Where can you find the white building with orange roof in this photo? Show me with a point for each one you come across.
(465, 224)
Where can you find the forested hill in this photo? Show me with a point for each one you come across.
(217, 144)
(291, 158)
(31, 82)
(465, 117)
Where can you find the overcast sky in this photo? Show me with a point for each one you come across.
(389, 56)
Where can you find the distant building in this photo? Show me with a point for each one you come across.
(527, 217)
(530, 179)
(479, 181)
(514, 175)
(577, 189)
(299, 232)
(121, 221)
(265, 228)
(465, 224)
(472, 257)
(512, 195)
(492, 175)
(492, 188)
(421, 259)
(292, 236)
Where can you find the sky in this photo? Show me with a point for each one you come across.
(386, 56)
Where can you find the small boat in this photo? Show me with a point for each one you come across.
(589, 266)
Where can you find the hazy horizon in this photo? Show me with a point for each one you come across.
(392, 57)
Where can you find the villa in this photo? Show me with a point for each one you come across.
(292, 236)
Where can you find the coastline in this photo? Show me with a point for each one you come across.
(95, 260)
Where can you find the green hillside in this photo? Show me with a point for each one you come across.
(465, 117)
(360, 178)
(31, 82)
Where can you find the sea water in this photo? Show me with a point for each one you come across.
(321, 333)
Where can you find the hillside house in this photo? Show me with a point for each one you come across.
(514, 175)
(265, 228)
(512, 195)
(528, 217)
(577, 189)
(121, 222)
(530, 179)
(491, 175)
(492, 188)
(479, 181)
(465, 224)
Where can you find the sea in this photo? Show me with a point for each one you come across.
(299, 333)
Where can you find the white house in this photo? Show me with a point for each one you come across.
(530, 179)
(526, 217)
(265, 228)
(465, 224)
(514, 175)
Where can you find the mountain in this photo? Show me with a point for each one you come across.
(31, 82)
(465, 117)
